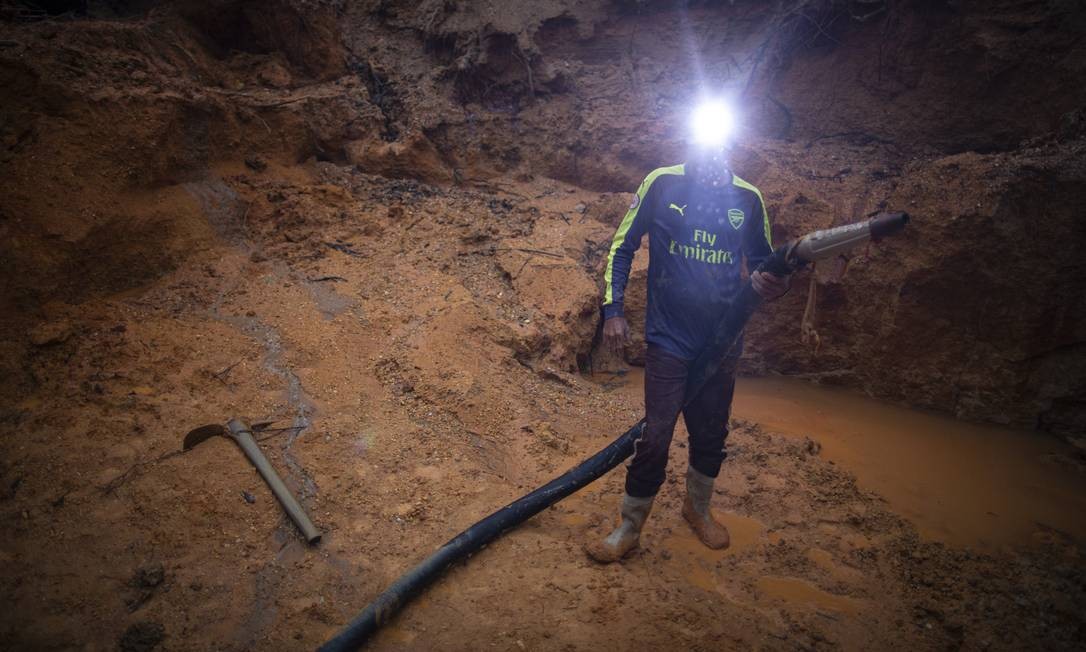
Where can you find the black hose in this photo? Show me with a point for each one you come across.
(411, 583)
(381, 610)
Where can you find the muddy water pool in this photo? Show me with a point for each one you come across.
(960, 483)
(964, 484)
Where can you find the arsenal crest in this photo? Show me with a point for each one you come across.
(736, 217)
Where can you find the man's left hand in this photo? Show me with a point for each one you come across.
(770, 286)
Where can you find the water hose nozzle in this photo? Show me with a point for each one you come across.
(830, 243)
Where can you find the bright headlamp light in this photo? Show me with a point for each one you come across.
(712, 124)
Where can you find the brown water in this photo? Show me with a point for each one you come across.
(960, 483)
(699, 563)
(773, 589)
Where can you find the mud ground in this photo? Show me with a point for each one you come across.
(381, 227)
(401, 350)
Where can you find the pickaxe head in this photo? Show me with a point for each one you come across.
(203, 433)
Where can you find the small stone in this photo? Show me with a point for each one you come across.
(53, 332)
(275, 75)
(142, 637)
(255, 163)
(149, 577)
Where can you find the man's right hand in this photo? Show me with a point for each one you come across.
(616, 334)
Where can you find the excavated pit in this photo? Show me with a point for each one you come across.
(386, 224)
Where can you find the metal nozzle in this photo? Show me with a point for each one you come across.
(830, 243)
(885, 224)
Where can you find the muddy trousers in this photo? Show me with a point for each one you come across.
(706, 420)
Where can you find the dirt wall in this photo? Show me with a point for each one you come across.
(381, 226)
(924, 106)
(850, 108)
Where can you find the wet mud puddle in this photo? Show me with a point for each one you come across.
(791, 590)
(699, 564)
(960, 483)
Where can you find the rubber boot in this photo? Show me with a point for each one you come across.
(699, 491)
(627, 536)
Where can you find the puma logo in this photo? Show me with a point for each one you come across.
(679, 208)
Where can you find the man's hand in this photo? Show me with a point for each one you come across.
(616, 334)
(768, 286)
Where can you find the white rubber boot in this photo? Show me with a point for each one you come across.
(699, 493)
(627, 536)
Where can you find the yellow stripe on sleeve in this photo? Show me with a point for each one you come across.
(765, 214)
(627, 221)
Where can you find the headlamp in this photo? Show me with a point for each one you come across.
(712, 124)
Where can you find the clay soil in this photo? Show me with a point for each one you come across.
(425, 351)
(419, 419)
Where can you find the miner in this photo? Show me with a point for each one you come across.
(703, 221)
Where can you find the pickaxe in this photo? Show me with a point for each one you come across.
(240, 432)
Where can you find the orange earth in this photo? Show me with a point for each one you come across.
(382, 226)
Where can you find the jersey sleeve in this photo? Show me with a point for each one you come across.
(757, 244)
(625, 243)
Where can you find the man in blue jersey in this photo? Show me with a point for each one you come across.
(702, 221)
